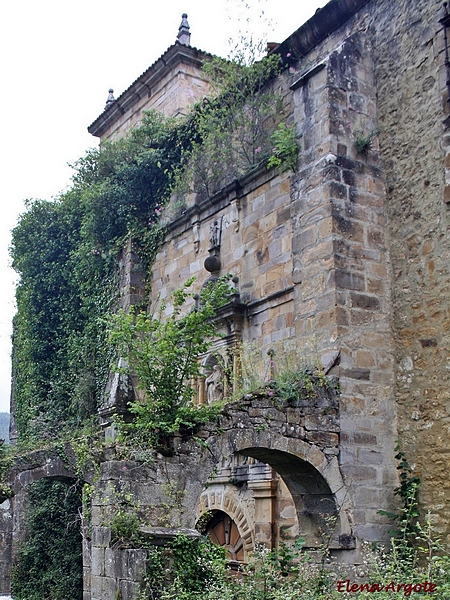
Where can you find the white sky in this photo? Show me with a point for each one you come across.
(58, 60)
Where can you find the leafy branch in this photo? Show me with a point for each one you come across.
(163, 352)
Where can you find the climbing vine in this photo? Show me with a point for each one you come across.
(49, 561)
(66, 254)
(5, 463)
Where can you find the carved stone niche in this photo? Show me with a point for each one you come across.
(220, 365)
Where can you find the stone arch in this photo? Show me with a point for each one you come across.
(225, 500)
(13, 527)
(50, 468)
(25, 470)
(313, 479)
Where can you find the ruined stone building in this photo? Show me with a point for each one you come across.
(347, 258)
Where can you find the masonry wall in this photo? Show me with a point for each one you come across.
(170, 86)
(255, 247)
(172, 96)
(390, 217)
(341, 262)
(410, 75)
(310, 251)
(236, 470)
(5, 546)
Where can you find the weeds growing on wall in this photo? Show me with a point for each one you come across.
(281, 373)
(235, 126)
(239, 127)
(364, 141)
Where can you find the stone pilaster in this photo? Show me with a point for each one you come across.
(342, 268)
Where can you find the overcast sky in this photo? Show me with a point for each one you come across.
(60, 57)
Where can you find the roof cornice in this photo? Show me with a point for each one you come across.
(317, 28)
(326, 20)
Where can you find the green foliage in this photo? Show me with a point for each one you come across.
(66, 254)
(49, 561)
(364, 141)
(399, 575)
(59, 365)
(195, 569)
(88, 451)
(66, 251)
(198, 569)
(193, 565)
(234, 126)
(163, 351)
(285, 148)
(5, 463)
(408, 530)
(282, 374)
(125, 527)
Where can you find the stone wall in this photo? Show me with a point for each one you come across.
(261, 464)
(341, 262)
(410, 75)
(5, 546)
(255, 247)
(360, 265)
(171, 86)
(310, 252)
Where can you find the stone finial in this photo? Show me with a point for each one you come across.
(184, 37)
(110, 99)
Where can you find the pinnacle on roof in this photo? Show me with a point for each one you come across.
(110, 98)
(184, 37)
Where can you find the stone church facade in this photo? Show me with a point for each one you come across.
(346, 259)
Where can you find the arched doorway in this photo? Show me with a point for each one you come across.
(276, 495)
(46, 519)
(312, 499)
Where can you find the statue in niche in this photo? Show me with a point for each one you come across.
(215, 233)
(214, 385)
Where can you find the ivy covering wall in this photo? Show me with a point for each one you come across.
(49, 563)
(66, 254)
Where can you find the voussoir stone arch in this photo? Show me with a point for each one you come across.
(224, 500)
(57, 463)
(250, 440)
